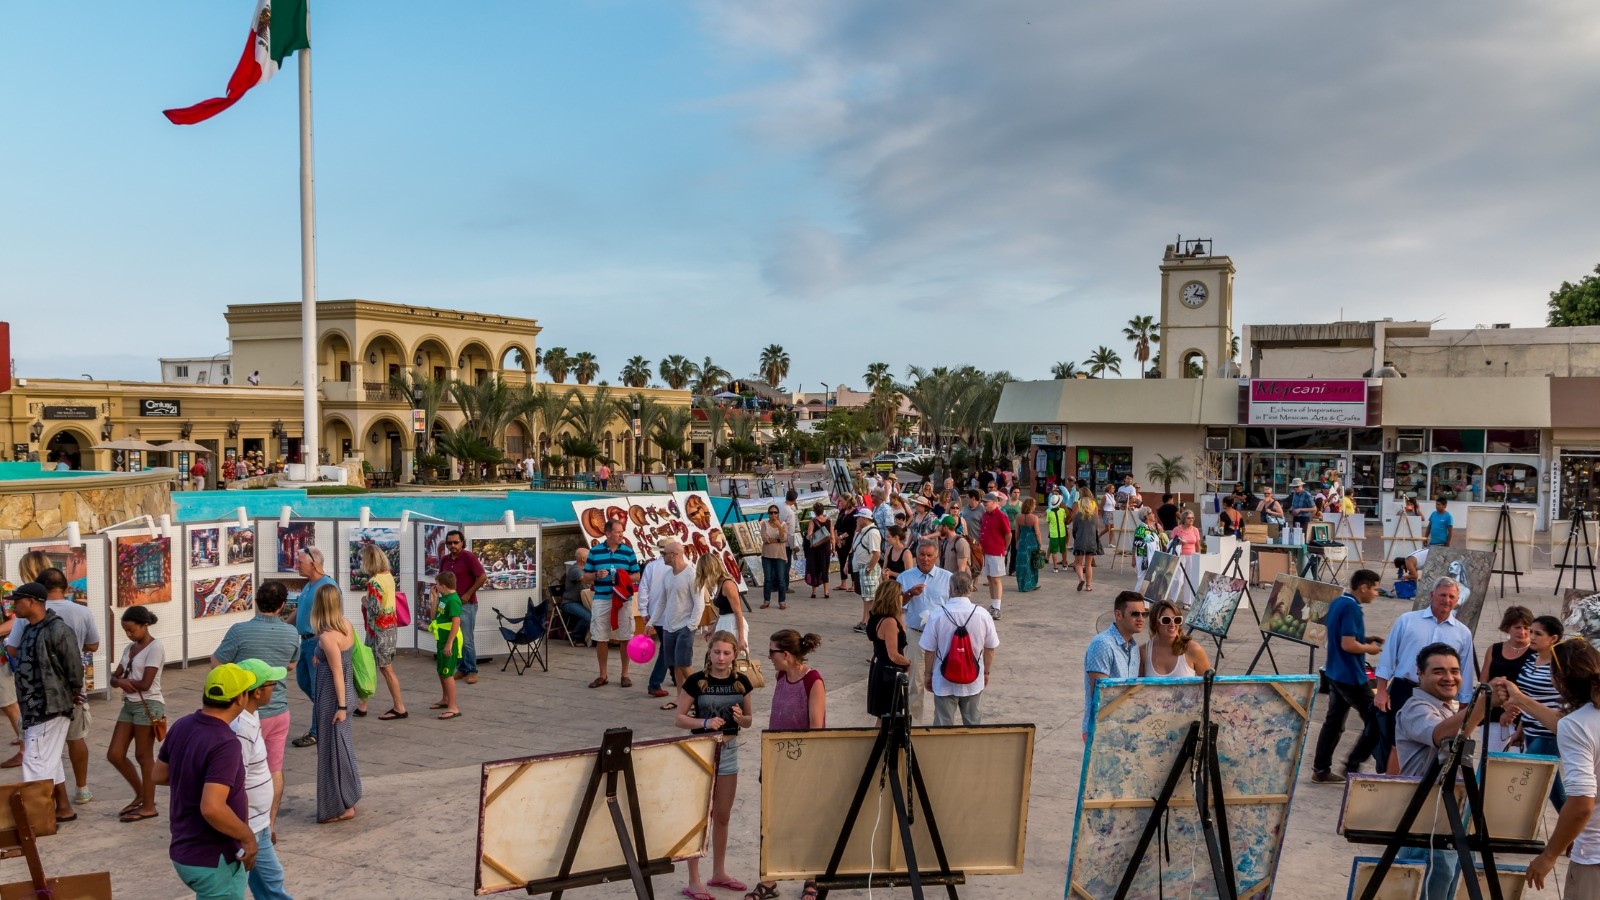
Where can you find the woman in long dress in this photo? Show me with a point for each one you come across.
(819, 550)
(338, 778)
(1029, 540)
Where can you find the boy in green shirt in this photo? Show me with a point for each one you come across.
(446, 628)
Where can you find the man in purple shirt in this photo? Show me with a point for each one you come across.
(212, 847)
(463, 563)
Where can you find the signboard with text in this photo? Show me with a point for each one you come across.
(1313, 402)
(160, 409)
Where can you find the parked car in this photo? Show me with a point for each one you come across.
(924, 453)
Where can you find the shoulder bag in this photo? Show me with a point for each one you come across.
(157, 724)
(744, 664)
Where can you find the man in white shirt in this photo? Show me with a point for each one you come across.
(675, 610)
(958, 612)
(81, 620)
(926, 588)
(865, 554)
(789, 515)
(529, 468)
(648, 593)
(266, 879)
(1577, 829)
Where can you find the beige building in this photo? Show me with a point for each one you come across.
(1397, 410)
(362, 343)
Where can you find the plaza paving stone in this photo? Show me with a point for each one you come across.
(415, 832)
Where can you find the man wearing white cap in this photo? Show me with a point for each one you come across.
(864, 555)
(994, 536)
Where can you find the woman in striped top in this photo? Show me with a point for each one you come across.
(1536, 686)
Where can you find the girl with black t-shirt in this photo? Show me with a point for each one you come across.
(717, 701)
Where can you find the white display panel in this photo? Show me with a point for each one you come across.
(402, 555)
(219, 582)
(510, 559)
(86, 571)
(276, 548)
(148, 570)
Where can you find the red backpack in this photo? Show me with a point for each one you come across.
(960, 663)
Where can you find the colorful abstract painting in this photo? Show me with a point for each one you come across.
(217, 596)
(143, 570)
(1132, 745)
(385, 539)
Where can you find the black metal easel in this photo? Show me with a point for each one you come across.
(894, 739)
(1233, 568)
(1505, 546)
(1198, 759)
(614, 761)
(1453, 761)
(1577, 540)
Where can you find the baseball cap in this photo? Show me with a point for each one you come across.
(32, 590)
(995, 496)
(863, 512)
(228, 681)
(949, 521)
(263, 673)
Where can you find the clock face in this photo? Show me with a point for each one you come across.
(1194, 295)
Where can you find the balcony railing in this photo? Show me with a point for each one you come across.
(378, 391)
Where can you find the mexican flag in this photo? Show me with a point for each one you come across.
(277, 29)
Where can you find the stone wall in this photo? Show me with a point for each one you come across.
(41, 508)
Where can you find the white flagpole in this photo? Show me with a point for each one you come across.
(309, 453)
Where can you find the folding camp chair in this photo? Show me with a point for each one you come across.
(527, 643)
(555, 622)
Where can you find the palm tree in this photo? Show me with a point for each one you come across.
(876, 372)
(487, 407)
(636, 372)
(473, 449)
(433, 392)
(710, 378)
(1167, 469)
(1103, 360)
(774, 365)
(585, 367)
(1064, 370)
(716, 420)
(677, 371)
(934, 393)
(557, 363)
(1144, 333)
(649, 413)
(884, 405)
(544, 409)
(672, 432)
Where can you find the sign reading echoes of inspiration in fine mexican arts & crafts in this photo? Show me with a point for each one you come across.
(1279, 401)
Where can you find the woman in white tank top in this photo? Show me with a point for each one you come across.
(1170, 653)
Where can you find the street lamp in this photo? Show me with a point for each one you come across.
(418, 433)
(638, 450)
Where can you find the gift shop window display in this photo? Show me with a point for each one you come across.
(1579, 479)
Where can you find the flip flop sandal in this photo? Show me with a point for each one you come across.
(669, 706)
(391, 715)
(439, 706)
(732, 884)
(625, 682)
(135, 817)
(697, 895)
(361, 713)
(450, 715)
(71, 818)
(597, 682)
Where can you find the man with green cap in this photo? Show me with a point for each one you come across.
(212, 845)
(954, 553)
(266, 879)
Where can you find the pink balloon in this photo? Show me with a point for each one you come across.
(641, 649)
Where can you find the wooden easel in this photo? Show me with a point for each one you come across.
(1410, 538)
(28, 813)
(1345, 533)
(1123, 527)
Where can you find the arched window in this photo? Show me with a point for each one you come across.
(1512, 483)
(1457, 480)
(1192, 364)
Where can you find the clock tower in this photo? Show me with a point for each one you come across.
(1196, 310)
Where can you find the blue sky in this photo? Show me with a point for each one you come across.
(897, 180)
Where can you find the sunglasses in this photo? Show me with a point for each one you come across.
(452, 543)
(1137, 613)
(1171, 620)
(775, 651)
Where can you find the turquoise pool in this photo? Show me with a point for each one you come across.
(205, 506)
(23, 471)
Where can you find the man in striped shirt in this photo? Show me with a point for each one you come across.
(600, 571)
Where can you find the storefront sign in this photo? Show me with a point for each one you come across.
(69, 412)
(159, 409)
(1049, 437)
(1277, 401)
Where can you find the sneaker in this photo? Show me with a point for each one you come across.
(305, 740)
(994, 613)
(1325, 777)
(472, 678)
(861, 628)
(84, 795)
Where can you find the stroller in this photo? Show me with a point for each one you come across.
(528, 642)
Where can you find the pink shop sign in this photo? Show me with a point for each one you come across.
(1329, 403)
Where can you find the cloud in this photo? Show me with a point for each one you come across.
(1368, 157)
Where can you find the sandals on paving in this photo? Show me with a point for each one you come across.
(810, 889)
(763, 606)
(669, 706)
(439, 705)
(598, 682)
(763, 892)
(391, 715)
(732, 884)
(135, 816)
(693, 894)
(360, 712)
(449, 715)
(782, 605)
(305, 740)
(625, 682)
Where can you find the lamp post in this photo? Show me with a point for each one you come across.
(418, 433)
(638, 449)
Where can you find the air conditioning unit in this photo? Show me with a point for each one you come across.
(1408, 445)
(1216, 443)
